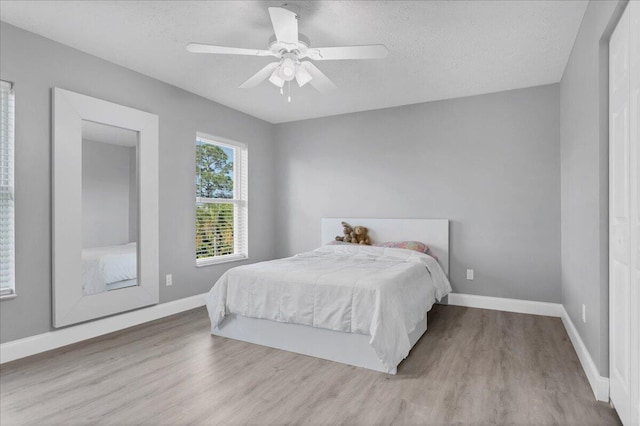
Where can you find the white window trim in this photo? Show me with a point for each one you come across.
(240, 200)
(226, 258)
(11, 143)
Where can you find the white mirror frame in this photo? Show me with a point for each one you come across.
(70, 305)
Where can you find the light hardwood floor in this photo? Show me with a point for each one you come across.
(473, 366)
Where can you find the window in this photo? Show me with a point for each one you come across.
(221, 200)
(7, 228)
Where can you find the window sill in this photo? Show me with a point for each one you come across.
(222, 259)
(8, 296)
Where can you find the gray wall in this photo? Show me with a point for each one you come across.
(35, 65)
(107, 201)
(584, 98)
(489, 163)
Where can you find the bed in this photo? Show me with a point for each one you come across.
(359, 305)
(109, 268)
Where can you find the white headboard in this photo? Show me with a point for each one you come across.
(433, 232)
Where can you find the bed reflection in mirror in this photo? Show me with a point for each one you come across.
(109, 208)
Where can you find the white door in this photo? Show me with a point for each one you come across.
(624, 217)
(634, 165)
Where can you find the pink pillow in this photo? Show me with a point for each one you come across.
(408, 245)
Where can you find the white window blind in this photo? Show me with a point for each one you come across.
(7, 224)
(221, 200)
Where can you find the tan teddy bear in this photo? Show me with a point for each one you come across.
(348, 232)
(359, 236)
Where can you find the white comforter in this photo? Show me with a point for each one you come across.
(377, 291)
(106, 265)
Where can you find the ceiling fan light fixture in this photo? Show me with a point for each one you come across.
(275, 78)
(287, 69)
(302, 76)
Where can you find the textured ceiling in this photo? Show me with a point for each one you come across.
(438, 49)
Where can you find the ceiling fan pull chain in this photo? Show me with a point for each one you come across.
(281, 91)
(289, 98)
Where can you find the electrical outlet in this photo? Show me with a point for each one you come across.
(470, 274)
(169, 280)
(584, 313)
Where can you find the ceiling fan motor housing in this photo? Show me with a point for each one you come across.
(281, 48)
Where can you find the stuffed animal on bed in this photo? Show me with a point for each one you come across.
(347, 231)
(359, 236)
(355, 235)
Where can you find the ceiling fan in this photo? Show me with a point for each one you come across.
(291, 48)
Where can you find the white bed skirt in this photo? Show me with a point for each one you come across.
(347, 348)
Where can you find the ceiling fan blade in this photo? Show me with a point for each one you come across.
(222, 50)
(372, 51)
(302, 75)
(285, 25)
(260, 76)
(318, 79)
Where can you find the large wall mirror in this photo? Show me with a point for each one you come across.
(105, 208)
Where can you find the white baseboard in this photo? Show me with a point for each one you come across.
(507, 305)
(32, 345)
(599, 384)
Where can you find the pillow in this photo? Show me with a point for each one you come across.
(408, 245)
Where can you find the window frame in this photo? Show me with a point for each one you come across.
(240, 201)
(12, 190)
